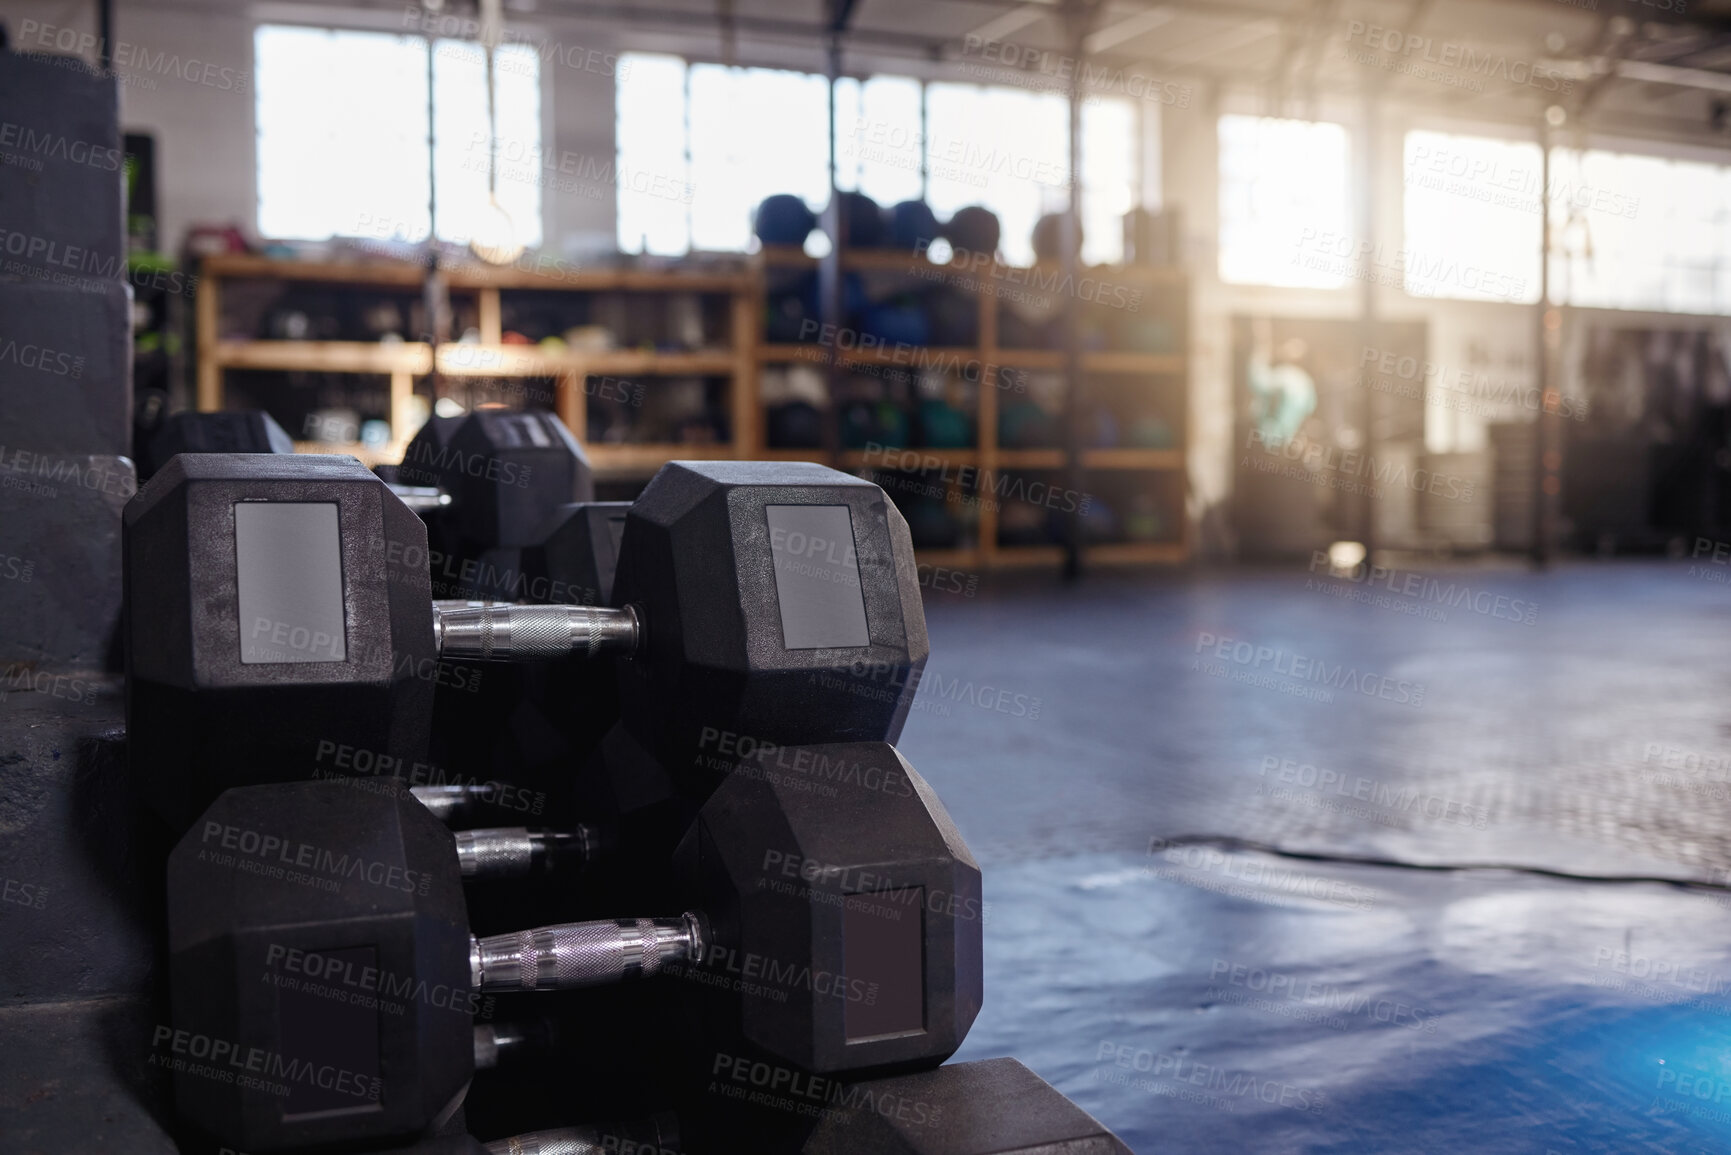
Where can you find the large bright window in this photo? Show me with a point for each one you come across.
(733, 136)
(1640, 232)
(878, 138)
(1472, 218)
(1628, 231)
(1286, 204)
(342, 135)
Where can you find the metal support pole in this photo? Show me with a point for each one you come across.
(1077, 14)
(432, 294)
(829, 270)
(105, 35)
(1547, 442)
(1367, 319)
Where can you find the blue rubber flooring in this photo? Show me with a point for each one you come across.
(1488, 722)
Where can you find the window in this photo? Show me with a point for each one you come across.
(878, 138)
(1628, 231)
(1285, 203)
(345, 111)
(753, 132)
(732, 136)
(1640, 232)
(1472, 218)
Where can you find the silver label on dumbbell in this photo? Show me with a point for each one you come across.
(289, 581)
(817, 582)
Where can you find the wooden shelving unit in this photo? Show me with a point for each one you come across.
(987, 461)
(404, 361)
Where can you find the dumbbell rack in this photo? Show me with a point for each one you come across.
(403, 362)
(1168, 372)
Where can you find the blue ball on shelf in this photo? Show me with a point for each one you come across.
(784, 219)
(901, 320)
(974, 230)
(913, 225)
(862, 222)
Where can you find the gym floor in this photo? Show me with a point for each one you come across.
(1532, 952)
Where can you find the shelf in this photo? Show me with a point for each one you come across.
(1029, 358)
(948, 558)
(323, 356)
(856, 260)
(1133, 362)
(1138, 553)
(464, 360)
(1128, 274)
(785, 257)
(907, 356)
(1092, 362)
(1006, 556)
(1132, 458)
(647, 458)
(533, 361)
(371, 458)
(1033, 276)
(777, 354)
(1162, 292)
(912, 457)
(909, 458)
(1030, 459)
(701, 362)
(552, 274)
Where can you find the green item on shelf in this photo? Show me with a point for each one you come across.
(943, 426)
(1150, 335)
(869, 422)
(1144, 521)
(1026, 425)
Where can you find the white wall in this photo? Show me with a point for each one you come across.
(187, 78)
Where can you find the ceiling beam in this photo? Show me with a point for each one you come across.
(1109, 37)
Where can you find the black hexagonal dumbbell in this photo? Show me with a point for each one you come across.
(229, 431)
(318, 941)
(278, 606)
(487, 484)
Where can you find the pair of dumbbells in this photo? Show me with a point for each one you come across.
(321, 928)
(280, 621)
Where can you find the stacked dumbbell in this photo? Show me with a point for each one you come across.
(812, 911)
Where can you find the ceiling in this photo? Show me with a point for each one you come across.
(1622, 66)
